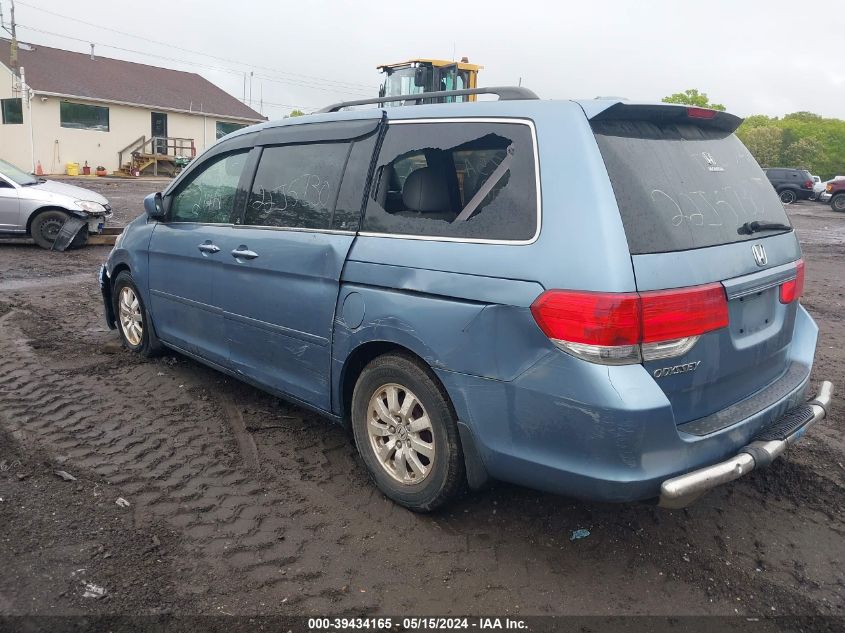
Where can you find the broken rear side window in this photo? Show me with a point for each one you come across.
(462, 180)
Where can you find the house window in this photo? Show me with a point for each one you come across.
(12, 110)
(224, 128)
(81, 116)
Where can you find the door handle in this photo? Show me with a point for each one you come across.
(208, 247)
(242, 252)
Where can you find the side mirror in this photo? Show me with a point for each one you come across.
(154, 205)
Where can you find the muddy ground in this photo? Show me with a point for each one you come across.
(240, 503)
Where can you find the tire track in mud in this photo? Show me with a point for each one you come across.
(175, 458)
(172, 455)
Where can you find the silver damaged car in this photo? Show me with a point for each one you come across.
(39, 208)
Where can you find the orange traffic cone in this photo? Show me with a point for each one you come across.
(38, 170)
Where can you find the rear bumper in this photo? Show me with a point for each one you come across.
(606, 433)
(773, 440)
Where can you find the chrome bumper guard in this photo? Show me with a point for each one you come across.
(769, 443)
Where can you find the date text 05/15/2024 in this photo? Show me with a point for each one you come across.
(411, 623)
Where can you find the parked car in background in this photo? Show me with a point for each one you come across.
(825, 196)
(440, 278)
(818, 187)
(835, 189)
(38, 208)
(791, 184)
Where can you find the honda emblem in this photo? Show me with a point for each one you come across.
(759, 254)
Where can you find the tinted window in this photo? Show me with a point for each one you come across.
(296, 185)
(12, 111)
(83, 117)
(209, 196)
(347, 212)
(681, 186)
(466, 180)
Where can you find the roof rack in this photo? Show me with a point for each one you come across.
(505, 93)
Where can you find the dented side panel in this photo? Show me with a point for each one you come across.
(450, 329)
(278, 308)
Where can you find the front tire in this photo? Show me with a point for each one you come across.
(407, 433)
(46, 225)
(837, 202)
(133, 323)
(787, 196)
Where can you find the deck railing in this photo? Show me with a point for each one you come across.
(160, 147)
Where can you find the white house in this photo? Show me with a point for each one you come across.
(61, 107)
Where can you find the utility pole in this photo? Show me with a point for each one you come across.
(13, 58)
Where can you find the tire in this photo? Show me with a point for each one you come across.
(837, 202)
(788, 196)
(132, 317)
(46, 225)
(428, 471)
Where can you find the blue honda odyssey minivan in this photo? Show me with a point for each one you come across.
(595, 298)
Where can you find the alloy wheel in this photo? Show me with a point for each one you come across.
(131, 321)
(400, 433)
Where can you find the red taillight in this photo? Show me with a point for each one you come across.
(791, 290)
(808, 184)
(607, 320)
(673, 314)
(593, 318)
(701, 113)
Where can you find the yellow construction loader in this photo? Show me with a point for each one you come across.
(430, 75)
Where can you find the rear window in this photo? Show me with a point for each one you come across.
(680, 186)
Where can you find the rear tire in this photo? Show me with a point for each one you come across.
(787, 196)
(131, 317)
(837, 202)
(407, 433)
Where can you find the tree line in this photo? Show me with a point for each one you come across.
(802, 140)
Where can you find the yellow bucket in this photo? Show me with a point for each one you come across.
(72, 169)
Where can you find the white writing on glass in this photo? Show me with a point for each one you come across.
(709, 208)
(307, 190)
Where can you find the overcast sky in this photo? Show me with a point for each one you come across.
(754, 56)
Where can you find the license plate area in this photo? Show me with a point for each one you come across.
(96, 225)
(754, 312)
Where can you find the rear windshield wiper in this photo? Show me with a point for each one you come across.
(756, 227)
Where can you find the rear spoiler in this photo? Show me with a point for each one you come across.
(666, 113)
